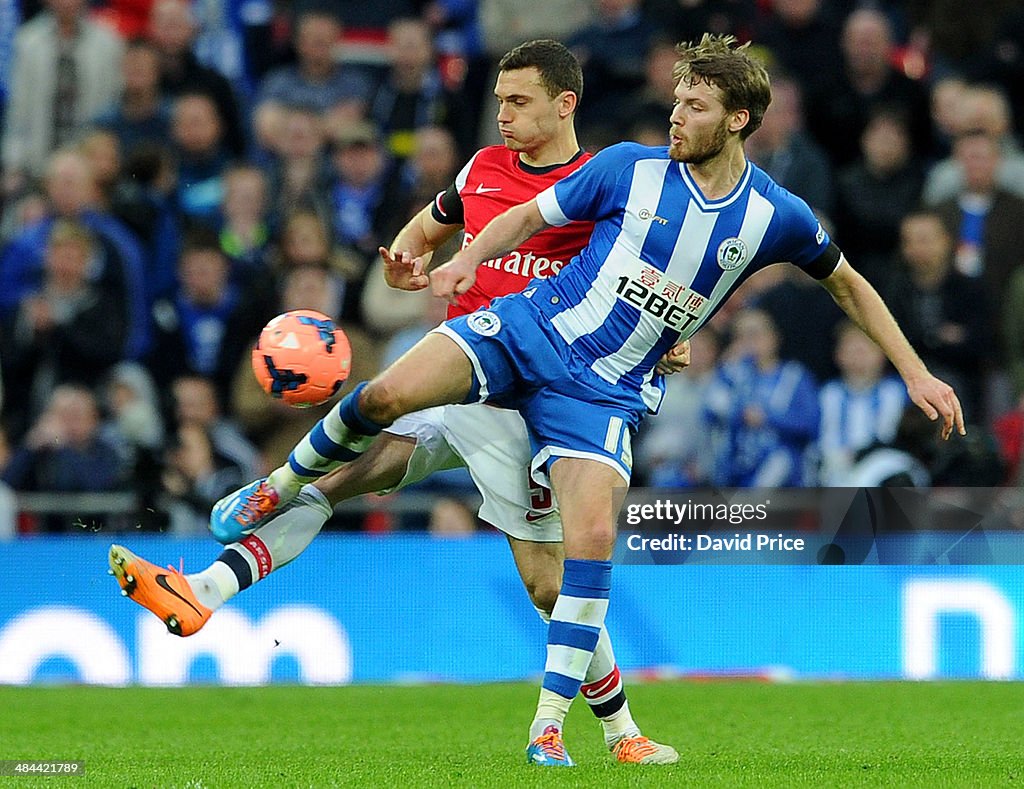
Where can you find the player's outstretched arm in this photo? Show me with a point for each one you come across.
(506, 231)
(865, 307)
(408, 258)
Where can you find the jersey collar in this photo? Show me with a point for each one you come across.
(713, 205)
(529, 168)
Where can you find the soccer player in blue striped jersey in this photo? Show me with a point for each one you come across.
(677, 229)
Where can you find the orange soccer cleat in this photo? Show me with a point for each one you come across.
(164, 592)
(641, 750)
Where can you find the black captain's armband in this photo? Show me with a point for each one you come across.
(826, 263)
(447, 207)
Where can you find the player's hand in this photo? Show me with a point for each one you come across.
(403, 271)
(454, 278)
(937, 399)
(677, 358)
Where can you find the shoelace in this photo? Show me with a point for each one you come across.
(634, 748)
(180, 569)
(255, 507)
(551, 745)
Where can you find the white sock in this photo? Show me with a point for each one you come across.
(602, 687)
(551, 711)
(214, 586)
(340, 437)
(269, 548)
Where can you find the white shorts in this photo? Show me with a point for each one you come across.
(492, 443)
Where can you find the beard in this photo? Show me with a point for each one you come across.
(704, 147)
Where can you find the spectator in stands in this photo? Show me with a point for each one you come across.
(781, 148)
(860, 408)
(245, 221)
(317, 80)
(300, 175)
(203, 328)
(806, 317)
(431, 169)
(68, 329)
(763, 411)
(948, 95)
(135, 426)
(867, 80)
(195, 404)
(650, 105)
(305, 241)
(945, 315)
(361, 198)
(119, 264)
(195, 476)
(904, 462)
(144, 201)
(172, 29)
(141, 115)
(689, 20)
(803, 38)
(984, 219)
(875, 193)
(64, 453)
(980, 109)
(612, 49)
(202, 157)
(412, 94)
(102, 151)
(66, 69)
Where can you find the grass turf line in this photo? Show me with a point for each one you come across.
(728, 734)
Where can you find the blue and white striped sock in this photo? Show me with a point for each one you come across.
(340, 437)
(576, 623)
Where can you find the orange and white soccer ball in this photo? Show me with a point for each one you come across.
(302, 358)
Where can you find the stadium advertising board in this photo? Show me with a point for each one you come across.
(393, 609)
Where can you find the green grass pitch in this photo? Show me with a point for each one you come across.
(729, 734)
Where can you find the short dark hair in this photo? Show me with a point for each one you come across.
(558, 67)
(199, 237)
(718, 61)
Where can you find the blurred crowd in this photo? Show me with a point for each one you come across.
(175, 173)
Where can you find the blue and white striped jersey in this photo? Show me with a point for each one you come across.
(662, 258)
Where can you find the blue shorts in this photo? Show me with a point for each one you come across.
(519, 361)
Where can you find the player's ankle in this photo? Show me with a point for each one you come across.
(285, 482)
(618, 725)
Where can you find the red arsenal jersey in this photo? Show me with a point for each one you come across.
(493, 181)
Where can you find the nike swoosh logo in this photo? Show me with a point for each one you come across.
(161, 581)
(533, 517)
(481, 189)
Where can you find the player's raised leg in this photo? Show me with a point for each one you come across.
(436, 371)
(540, 567)
(277, 541)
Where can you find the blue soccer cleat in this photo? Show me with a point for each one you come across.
(242, 512)
(548, 750)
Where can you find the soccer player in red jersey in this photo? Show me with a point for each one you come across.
(538, 88)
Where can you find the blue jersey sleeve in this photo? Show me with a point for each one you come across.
(803, 241)
(589, 193)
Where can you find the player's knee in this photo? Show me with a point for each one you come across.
(543, 593)
(595, 540)
(381, 402)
